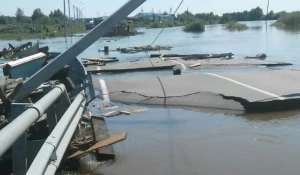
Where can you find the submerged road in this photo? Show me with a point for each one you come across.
(234, 91)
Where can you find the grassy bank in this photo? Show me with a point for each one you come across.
(148, 24)
(235, 26)
(20, 32)
(197, 26)
(288, 21)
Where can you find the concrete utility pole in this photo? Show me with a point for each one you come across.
(77, 11)
(69, 9)
(74, 11)
(268, 10)
(267, 16)
(65, 17)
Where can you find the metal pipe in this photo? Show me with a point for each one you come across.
(63, 59)
(42, 159)
(60, 151)
(10, 133)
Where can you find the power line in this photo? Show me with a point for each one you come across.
(165, 27)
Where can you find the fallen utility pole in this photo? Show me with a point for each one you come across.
(66, 57)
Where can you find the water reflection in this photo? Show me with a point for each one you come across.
(271, 116)
(256, 28)
(292, 30)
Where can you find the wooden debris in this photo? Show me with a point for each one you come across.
(101, 133)
(111, 114)
(135, 60)
(104, 143)
(125, 112)
(109, 106)
(195, 65)
(89, 114)
(129, 112)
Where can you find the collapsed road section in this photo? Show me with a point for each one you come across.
(251, 92)
(167, 63)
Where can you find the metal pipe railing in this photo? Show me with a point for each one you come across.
(42, 159)
(60, 151)
(16, 128)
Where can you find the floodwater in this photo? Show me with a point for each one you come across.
(179, 141)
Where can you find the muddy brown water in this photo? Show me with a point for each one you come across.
(180, 141)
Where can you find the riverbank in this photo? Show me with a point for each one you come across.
(153, 25)
(50, 32)
(288, 21)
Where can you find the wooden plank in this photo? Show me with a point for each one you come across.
(107, 142)
(111, 114)
(195, 65)
(129, 112)
(125, 112)
(101, 133)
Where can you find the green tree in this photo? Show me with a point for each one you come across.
(256, 14)
(3, 19)
(43, 20)
(19, 15)
(37, 14)
(56, 14)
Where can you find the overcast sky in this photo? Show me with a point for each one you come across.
(93, 8)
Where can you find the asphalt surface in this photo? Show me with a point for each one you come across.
(222, 90)
(141, 65)
(153, 64)
(220, 62)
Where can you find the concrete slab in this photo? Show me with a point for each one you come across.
(249, 91)
(218, 62)
(143, 65)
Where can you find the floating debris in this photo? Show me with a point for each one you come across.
(135, 60)
(143, 49)
(102, 60)
(261, 56)
(108, 106)
(208, 56)
(101, 144)
(195, 65)
(129, 112)
(111, 114)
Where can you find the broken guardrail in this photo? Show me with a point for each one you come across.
(48, 151)
(27, 118)
(50, 155)
(63, 59)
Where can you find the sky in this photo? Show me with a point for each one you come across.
(94, 8)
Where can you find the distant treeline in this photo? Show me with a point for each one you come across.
(37, 17)
(38, 25)
(211, 18)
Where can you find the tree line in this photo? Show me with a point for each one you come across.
(254, 14)
(37, 17)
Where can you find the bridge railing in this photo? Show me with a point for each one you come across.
(52, 151)
(16, 128)
(49, 154)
